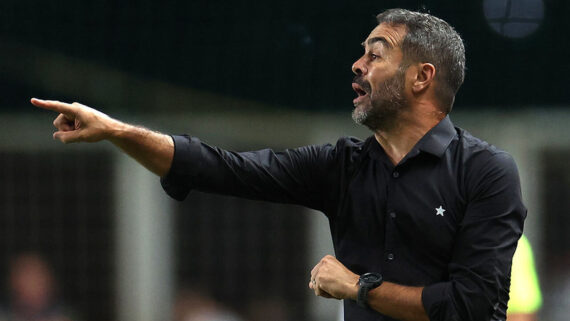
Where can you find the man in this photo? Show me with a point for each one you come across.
(424, 217)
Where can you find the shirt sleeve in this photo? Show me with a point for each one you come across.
(479, 270)
(296, 176)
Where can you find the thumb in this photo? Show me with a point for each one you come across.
(66, 137)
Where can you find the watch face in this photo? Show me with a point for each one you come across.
(371, 277)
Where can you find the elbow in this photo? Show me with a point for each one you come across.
(460, 302)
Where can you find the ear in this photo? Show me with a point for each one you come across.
(425, 75)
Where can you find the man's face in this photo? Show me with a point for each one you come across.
(379, 80)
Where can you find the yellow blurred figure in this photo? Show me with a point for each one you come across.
(525, 295)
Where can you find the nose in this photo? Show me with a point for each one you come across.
(359, 67)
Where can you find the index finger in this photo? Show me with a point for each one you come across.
(54, 105)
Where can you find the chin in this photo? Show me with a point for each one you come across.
(360, 114)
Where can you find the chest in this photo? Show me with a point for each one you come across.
(409, 212)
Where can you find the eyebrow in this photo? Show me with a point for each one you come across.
(374, 40)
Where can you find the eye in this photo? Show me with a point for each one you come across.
(374, 56)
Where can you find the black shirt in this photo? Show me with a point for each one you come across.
(447, 217)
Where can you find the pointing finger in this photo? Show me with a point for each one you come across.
(54, 105)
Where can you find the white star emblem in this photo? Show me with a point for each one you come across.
(439, 210)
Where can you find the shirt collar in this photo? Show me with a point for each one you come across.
(438, 138)
(434, 142)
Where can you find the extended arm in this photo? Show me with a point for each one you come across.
(302, 176)
(79, 123)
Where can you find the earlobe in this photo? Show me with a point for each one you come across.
(424, 77)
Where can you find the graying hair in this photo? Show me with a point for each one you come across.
(431, 40)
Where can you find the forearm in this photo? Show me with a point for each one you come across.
(151, 149)
(331, 279)
(79, 123)
(398, 301)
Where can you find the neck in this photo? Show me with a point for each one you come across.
(410, 127)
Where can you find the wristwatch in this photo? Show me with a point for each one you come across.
(367, 282)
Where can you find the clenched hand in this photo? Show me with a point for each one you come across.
(331, 279)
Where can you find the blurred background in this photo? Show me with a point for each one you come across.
(87, 234)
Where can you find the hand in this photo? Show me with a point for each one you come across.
(331, 279)
(78, 123)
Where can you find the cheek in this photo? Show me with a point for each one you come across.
(375, 78)
(378, 76)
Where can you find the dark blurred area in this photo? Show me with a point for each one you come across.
(291, 53)
(56, 219)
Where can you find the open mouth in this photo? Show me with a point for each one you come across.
(359, 91)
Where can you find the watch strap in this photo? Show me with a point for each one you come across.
(367, 282)
(362, 297)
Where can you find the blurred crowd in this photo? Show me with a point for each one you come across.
(33, 296)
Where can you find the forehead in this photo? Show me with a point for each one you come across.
(392, 35)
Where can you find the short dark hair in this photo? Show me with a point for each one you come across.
(432, 40)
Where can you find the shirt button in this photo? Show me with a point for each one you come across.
(395, 174)
(390, 256)
(393, 214)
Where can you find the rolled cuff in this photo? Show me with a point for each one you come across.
(185, 165)
(434, 299)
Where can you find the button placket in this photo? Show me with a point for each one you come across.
(391, 234)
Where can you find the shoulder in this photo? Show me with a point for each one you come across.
(479, 154)
(344, 150)
(350, 142)
(349, 149)
(475, 146)
(344, 146)
(485, 166)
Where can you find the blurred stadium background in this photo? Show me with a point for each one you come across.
(242, 75)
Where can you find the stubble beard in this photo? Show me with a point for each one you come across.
(384, 105)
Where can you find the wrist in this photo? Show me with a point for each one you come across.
(115, 130)
(353, 290)
(367, 282)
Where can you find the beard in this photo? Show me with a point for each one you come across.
(385, 105)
